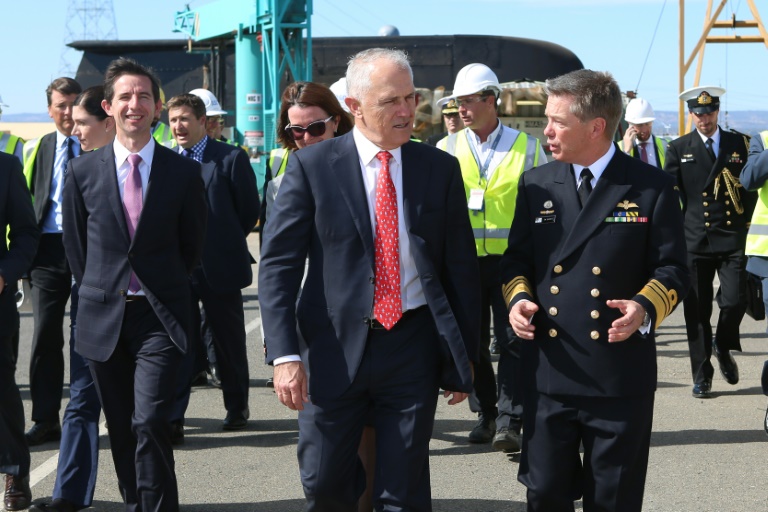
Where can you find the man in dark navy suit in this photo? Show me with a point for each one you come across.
(707, 164)
(595, 262)
(233, 209)
(15, 257)
(388, 312)
(134, 224)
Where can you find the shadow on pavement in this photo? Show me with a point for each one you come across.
(709, 437)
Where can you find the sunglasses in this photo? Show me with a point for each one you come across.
(315, 129)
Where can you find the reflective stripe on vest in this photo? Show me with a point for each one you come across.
(757, 237)
(491, 225)
(30, 152)
(8, 143)
(278, 158)
(162, 132)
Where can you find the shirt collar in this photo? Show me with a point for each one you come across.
(715, 136)
(367, 150)
(198, 149)
(146, 153)
(598, 167)
(60, 138)
(491, 136)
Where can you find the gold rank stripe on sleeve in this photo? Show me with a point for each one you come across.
(517, 285)
(663, 300)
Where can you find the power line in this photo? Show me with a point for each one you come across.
(648, 54)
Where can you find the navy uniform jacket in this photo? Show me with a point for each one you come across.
(233, 209)
(570, 261)
(712, 222)
(322, 213)
(15, 211)
(165, 248)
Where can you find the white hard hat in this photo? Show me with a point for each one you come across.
(639, 111)
(339, 89)
(472, 79)
(212, 107)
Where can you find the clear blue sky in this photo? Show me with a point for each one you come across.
(610, 35)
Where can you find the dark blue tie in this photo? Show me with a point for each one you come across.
(710, 149)
(586, 186)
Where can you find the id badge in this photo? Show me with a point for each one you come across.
(476, 199)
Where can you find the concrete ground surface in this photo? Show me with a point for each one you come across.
(706, 455)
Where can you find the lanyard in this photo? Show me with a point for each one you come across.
(484, 168)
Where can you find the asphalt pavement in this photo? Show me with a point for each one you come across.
(706, 455)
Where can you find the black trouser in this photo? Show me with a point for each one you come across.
(51, 284)
(14, 453)
(486, 393)
(731, 298)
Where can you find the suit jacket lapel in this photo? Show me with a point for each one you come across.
(415, 183)
(345, 164)
(563, 186)
(113, 189)
(611, 188)
(208, 164)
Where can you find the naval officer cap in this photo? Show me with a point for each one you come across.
(450, 108)
(702, 100)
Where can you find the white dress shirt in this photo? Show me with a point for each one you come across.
(52, 221)
(715, 140)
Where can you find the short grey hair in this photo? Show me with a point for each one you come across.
(595, 94)
(360, 67)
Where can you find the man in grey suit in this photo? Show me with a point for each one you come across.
(134, 223)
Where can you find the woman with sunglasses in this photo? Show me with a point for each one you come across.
(309, 113)
(79, 448)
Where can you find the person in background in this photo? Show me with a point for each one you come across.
(586, 290)
(214, 115)
(639, 140)
(707, 164)
(45, 164)
(225, 267)
(79, 448)
(452, 120)
(17, 214)
(9, 143)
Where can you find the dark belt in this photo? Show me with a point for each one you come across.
(376, 325)
(132, 298)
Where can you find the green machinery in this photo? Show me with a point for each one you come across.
(272, 38)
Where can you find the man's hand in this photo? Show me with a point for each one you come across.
(520, 319)
(290, 381)
(457, 398)
(2, 284)
(622, 328)
(629, 138)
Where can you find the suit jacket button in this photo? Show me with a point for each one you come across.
(553, 333)
(704, 194)
(553, 311)
(554, 290)
(596, 271)
(706, 224)
(558, 269)
(595, 292)
(706, 214)
(706, 203)
(595, 314)
(728, 212)
(594, 335)
(728, 223)
(727, 203)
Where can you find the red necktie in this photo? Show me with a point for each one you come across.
(387, 305)
(133, 201)
(643, 152)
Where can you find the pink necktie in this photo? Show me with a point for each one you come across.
(643, 151)
(387, 304)
(132, 204)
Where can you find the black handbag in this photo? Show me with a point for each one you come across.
(755, 304)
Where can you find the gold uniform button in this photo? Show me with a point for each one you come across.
(596, 271)
(553, 333)
(706, 203)
(728, 212)
(706, 224)
(727, 203)
(728, 223)
(595, 314)
(554, 289)
(553, 311)
(558, 269)
(706, 214)
(704, 194)
(594, 335)
(727, 194)
(595, 292)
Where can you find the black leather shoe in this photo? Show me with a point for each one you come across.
(18, 495)
(728, 367)
(42, 432)
(200, 379)
(506, 440)
(213, 370)
(236, 420)
(702, 389)
(483, 432)
(177, 433)
(57, 505)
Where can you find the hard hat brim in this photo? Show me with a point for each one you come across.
(640, 120)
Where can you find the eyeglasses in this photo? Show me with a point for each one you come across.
(469, 100)
(216, 120)
(315, 129)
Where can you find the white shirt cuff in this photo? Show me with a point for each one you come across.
(286, 359)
